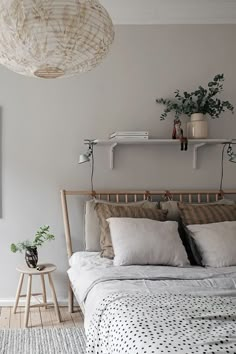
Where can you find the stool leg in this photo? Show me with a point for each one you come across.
(44, 290)
(54, 298)
(18, 292)
(28, 297)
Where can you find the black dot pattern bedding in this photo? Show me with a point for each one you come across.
(163, 323)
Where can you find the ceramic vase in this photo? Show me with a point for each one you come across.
(31, 257)
(198, 127)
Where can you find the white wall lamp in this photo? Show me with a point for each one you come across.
(89, 153)
(231, 154)
(87, 157)
(232, 158)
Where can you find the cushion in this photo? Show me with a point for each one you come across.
(216, 243)
(173, 209)
(143, 241)
(206, 214)
(92, 229)
(106, 211)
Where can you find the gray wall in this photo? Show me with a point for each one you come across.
(44, 124)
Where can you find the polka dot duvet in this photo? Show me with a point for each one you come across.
(155, 309)
(163, 323)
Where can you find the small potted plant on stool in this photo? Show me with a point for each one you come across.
(30, 247)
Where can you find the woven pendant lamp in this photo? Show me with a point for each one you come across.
(53, 38)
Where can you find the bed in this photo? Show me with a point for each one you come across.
(153, 309)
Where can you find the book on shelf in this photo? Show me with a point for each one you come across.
(129, 133)
(129, 137)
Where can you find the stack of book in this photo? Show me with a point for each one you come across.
(129, 135)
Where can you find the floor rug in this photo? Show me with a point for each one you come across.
(43, 341)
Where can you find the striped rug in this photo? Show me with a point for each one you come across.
(43, 341)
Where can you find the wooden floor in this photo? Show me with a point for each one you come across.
(39, 318)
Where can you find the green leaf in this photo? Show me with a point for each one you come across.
(13, 248)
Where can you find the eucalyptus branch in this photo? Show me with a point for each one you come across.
(203, 100)
(41, 236)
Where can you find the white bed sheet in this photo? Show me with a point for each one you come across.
(94, 278)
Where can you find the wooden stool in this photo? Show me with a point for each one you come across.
(25, 270)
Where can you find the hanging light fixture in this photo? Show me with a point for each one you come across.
(53, 38)
(89, 153)
(89, 156)
(232, 158)
(231, 154)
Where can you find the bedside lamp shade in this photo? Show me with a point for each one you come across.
(233, 159)
(89, 153)
(84, 158)
(231, 154)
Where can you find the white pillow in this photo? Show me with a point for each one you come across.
(145, 241)
(216, 243)
(92, 227)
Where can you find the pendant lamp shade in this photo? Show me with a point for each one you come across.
(53, 38)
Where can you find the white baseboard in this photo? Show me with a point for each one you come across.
(11, 302)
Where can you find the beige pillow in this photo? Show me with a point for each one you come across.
(173, 211)
(206, 214)
(92, 228)
(105, 211)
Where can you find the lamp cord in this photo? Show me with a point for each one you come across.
(222, 167)
(92, 168)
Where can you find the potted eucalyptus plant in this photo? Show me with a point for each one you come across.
(197, 105)
(30, 247)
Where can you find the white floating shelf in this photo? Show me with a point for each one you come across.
(196, 143)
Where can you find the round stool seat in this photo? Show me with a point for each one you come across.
(47, 268)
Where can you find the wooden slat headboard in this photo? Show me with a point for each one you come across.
(188, 196)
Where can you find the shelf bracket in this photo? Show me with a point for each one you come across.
(112, 149)
(195, 153)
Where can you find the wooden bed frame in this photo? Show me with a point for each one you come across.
(188, 196)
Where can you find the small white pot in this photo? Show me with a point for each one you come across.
(198, 127)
